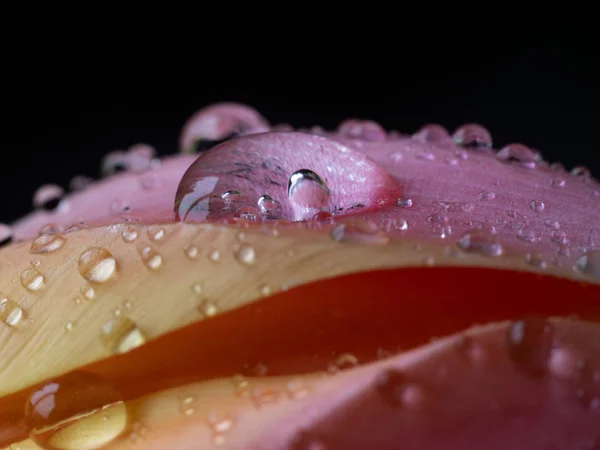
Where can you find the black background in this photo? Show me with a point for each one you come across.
(529, 77)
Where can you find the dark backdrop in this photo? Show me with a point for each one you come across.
(528, 77)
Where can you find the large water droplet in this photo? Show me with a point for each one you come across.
(32, 279)
(121, 335)
(97, 265)
(537, 206)
(480, 241)
(589, 263)
(359, 231)
(48, 197)
(10, 313)
(307, 193)
(529, 342)
(519, 153)
(362, 129)
(47, 243)
(472, 136)
(432, 133)
(79, 411)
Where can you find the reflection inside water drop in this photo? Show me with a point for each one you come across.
(307, 193)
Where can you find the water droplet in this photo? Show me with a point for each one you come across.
(426, 156)
(51, 228)
(97, 265)
(480, 241)
(69, 326)
(121, 335)
(468, 347)
(551, 223)
(559, 237)
(10, 313)
(214, 256)
(394, 223)
(32, 279)
(80, 183)
(150, 258)
(247, 213)
(305, 441)
(230, 197)
(404, 202)
(6, 235)
(191, 252)
(265, 290)
(308, 193)
(88, 292)
(581, 172)
(527, 235)
(537, 206)
(589, 263)
(431, 133)
(219, 423)
(77, 411)
(114, 162)
(268, 207)
(119, 206)
(345, 361)
(156, 233)
(395, 389)
(437, 219)
(396, 156)
(536, 259)
(362, 129)
(246, 255)
(472, 136)
(129, 234)
(48, 197)
(519, 153)
(47, 243)
(486, 196)
(557, 182)
(529, 343)
(240, 385)
(263, 395)
(358, 231)
(208, 309)
(563, 363)
(296, 389)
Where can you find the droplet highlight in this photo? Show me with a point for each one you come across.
(97, 265)
(47, 243)
(121, 335)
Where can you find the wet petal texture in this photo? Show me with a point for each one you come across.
(337, 178)
(218, 122)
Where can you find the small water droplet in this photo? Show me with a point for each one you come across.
(551, 223)
(121, 335)
(47, 243)
(214, 256)
(474, 351)
(480, 241)
(119, 206)
(32, 279)
(197, 288)
(247, 213)
(557, 182)
(208, 309)
(88, 292)
(48, 197)
(559, 237)
(308, 193)
(344, 361)
(156, 233)
(241, 385)
(426, 156)
(472, 136)
(219, 423)
(97, 265)
(51, 228)
(431, 133)
(404, 202)
(129, 234)
(69, 326)
(10, 313)
(536, 259)
(362, 129)
(589, 263)
(265, 290)
(486, 196)
(61, 413)
(151, 258)
(80, 183)
(396, 156)
(268, 207)
(114, 162)
(529, 343)
(537, 206)
(394, 223)
(246, 255)
(359, 231)
(191, 252)
(305, 441)
(296, 389)
(581, 172)
(563, 363)
(395, 389)
(262, 396)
